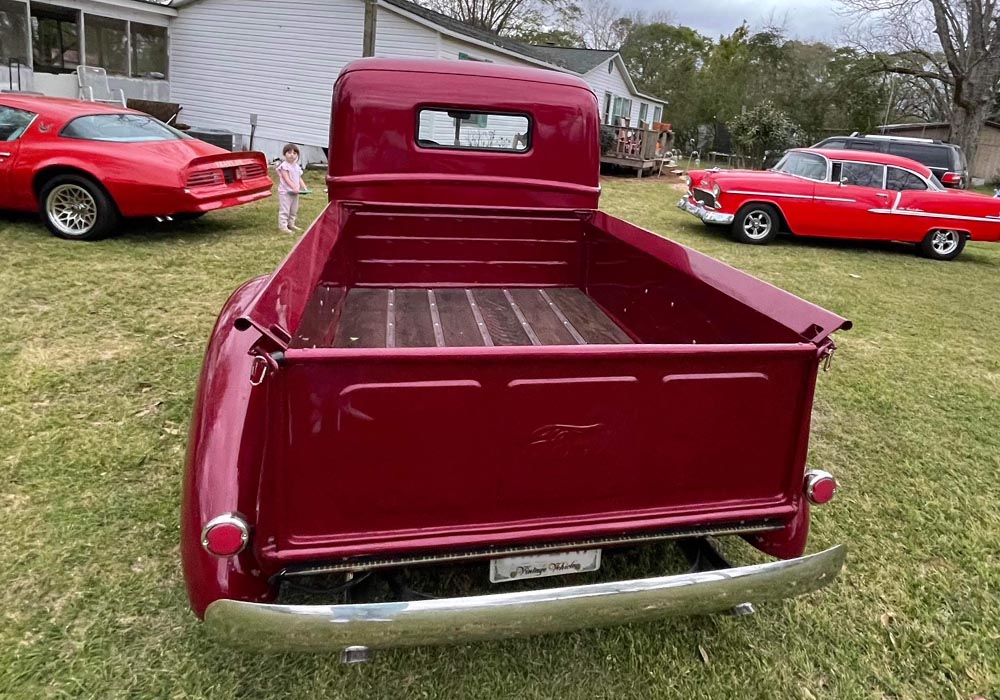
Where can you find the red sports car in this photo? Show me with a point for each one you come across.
(844, 194)
(84, 166)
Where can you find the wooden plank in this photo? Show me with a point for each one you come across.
(546, 324)
(529, 331)
(457, 319)
(592, 323)
(319, 321)
(362, 322)
(414, 326)
(500, 319)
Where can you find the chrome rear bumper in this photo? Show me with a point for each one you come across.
(706, 215)
(496, 616)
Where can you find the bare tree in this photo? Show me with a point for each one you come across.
(601, 24)
(505, 17)
(954, 44)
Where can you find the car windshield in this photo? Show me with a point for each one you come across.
(120, 128)
(808, 165)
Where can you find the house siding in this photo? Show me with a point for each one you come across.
(601, 82)
(277, 59)
(399, 37)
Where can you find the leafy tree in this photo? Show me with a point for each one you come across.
(762, 129)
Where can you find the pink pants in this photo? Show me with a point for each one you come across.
(288, 208)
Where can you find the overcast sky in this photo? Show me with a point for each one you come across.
(804, 19)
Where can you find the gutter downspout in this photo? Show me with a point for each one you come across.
(371, 14)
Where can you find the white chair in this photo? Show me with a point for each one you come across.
(94, 86)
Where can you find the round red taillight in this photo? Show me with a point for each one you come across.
(225, 536)
(820, 486)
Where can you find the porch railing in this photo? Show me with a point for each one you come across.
(632, 142)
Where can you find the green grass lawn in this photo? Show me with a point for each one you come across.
(100, 350)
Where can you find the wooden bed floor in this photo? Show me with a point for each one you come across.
(453, 317)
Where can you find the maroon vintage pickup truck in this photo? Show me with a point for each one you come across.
(464, 360)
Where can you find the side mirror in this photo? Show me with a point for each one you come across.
(843, 182)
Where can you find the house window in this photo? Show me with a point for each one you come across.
(611, 66)
(443, 127)
(658, 113)
(149, 51)
(607, 108)
(106, 43)
(623, 108)
(462, 56)
(13, 31)
(643, 109)
(55, 39)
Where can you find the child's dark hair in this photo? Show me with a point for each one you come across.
(290, 147)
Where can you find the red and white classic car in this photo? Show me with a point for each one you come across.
(844, 194)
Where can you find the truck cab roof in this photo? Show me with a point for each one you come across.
(478, 69)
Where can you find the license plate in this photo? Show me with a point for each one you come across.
(541, 565)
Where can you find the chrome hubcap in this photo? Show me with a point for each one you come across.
(944, 242)
(71, 209)
(757, 224)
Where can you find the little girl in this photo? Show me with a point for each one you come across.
(290, 184)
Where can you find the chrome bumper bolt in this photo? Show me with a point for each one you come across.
(356, 655)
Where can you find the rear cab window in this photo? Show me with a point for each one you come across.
(120, 128)
(14, 122)
(471, 130)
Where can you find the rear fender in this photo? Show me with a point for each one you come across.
(223, 462)
(790, 541)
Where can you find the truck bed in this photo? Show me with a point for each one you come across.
(379, 317)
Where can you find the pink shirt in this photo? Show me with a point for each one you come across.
(293, 172)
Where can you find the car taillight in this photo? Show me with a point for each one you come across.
(951, 179)
(205, 178)
(820, 486)
(226, 535)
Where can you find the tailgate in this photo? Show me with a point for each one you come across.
(388, 452)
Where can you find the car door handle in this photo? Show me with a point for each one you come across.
(883, 195)
(4, 154)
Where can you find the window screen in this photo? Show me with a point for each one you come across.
(473, 130)
(107, 44)
(55, 39)
(149, 51)
(13, 31)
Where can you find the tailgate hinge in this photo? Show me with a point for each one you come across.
(264, 362)
(826, 354)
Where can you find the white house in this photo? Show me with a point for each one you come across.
(230, 62)
(42, 43)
